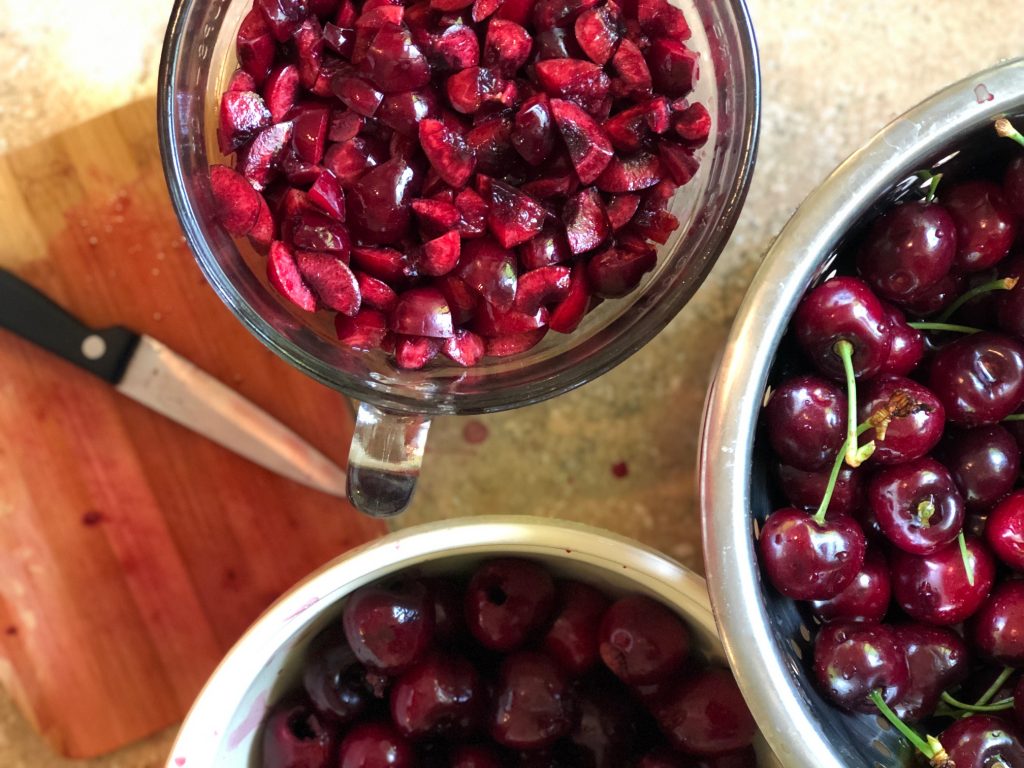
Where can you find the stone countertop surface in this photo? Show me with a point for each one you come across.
(621, 451)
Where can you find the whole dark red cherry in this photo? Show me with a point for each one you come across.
(806, 489)
(642, 641)
(531, 706)
(334, 679)
(979, 378)
(389, 626)
(440, 696)
(375, 745)
(907, 348)
(805, 419)
(936, 298)
(906, 437)
(867, 597)
(853, 660)
(997, 629)
(605, 725)
(983, 741)
(984, 462)
(1004, 530)
(917, 505)
(938, 660)
(295, 736)
(474, 757)
(704, 714)
(909, 248)
(573, 638)
(805, 560)
(507, 602)
(985, 224)
(935, 589)
(843, 308)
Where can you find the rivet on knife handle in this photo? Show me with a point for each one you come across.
(35, 317)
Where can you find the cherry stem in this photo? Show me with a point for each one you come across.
(819, 516)
(855, 456)
(1015, 417)
(909, 733)
(925, 510)
(999, 706)
(1004, 284)
(933, 180)
(1005, 129)
(994, 688)
(968, 559)
(944, 327)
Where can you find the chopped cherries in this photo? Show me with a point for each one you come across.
(507, 667)
(904, 532)
(457, 177)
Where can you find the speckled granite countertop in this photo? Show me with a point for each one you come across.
(619, 452)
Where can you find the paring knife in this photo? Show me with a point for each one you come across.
(147, 371)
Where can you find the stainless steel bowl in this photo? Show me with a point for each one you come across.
(764, 637)
(221, 727)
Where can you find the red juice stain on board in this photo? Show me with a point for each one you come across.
(982, 94)
(475, 432)
(620, 470)
(92, 518)
(11, 631)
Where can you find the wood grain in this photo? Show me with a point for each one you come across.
(133, 552)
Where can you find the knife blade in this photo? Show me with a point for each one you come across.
(149, 372)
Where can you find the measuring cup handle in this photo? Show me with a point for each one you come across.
(384, 460)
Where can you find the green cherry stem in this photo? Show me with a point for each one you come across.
(855, 456)
(1015, 417)
(932, 179)
(819, 516)
(1005, 129)
(930, 748)
(1004, 284)
(952, 328)
(968, 560)
(993, 689)
(999, 706)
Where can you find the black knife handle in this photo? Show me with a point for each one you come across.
(33, 316)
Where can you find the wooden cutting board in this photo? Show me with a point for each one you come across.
(133, 552)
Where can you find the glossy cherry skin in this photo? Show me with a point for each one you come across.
(909, 248)
(897, 496)
(984, 462)
(508, 601)
(934, 588)
(985, 224)
(805, 419)
(805, 490)
(852, 660)
(704, 714)
(997, 630)
(641, 641)
(936, 298)
(379, 204)
(979, 378)
(440, 696)
(867, 597)
(295, 736)
(843, 308)
(983, 741)
(375, 745)
(389, 627)
(906, 437)
(531, 706)
(573, 637)
(334, 679)
(907, 348)
(938, 659)
(1004, 530)
(807, 561)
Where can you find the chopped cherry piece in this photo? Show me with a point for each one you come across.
(513, 217)
(490, 270)
(422, 312)
(256, 47)
(331, 280)
(284, 275)
(281, 91)
(586, 222)
(586, 141)
(242, 115)
(464, 348)
(366, 331)
(236, 203)
(615, 272)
